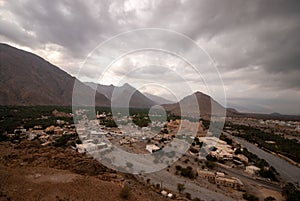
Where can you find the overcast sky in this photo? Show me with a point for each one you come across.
(255, 44)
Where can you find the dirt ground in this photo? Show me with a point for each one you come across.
(29, 171)
(267, 192)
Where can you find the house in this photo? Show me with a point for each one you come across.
(146, 129)
(220, 174)
(50, 129)
(44, 138)
(58, 131)
(242, 158)
(222, 154)
(170, 195)
(229, 182)
(90, 147)
(127, 140)
(224, 151)
(19, 131)
(37, 127)
(251, 169)
(205, 174)
(101, 116)
(95, 133)
(80, 130)
(164, 193)
(152, 148)
(60, 122)
(31, 136)
(219, 178)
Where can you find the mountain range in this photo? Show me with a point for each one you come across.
(159, 100)
(120, 96)
(28, 79)
(147, 98)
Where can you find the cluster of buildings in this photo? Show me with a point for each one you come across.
(127, 140)
(278, 123)
(93, 138)
(166, 194)
(46, 136)
(252, 170)
(223, 151)
(286, 129)
(219, 178)
(279, 126)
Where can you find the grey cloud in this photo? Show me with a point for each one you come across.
(76, 28)
(273, 26)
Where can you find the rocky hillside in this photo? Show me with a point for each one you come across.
(204, 104)
(29, 171)
(27, 79)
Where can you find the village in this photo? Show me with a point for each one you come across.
(210, 160)
(290, 129)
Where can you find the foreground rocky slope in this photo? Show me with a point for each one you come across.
(29, 171)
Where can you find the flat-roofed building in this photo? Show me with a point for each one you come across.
(205, 174)
(152, 148)
(251, 169)
(229, 182)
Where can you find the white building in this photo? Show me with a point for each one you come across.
(251, 169)
(151, 148)
(242, 158)
(90, 147)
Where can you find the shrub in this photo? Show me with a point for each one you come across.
(193, 150)
(268, 174)
(188, 196)
(210, 164)
(270, 198)
(196, 199)
(290, 192)
(180, 187)
(125, 192)
(188, 172)
(250, 197)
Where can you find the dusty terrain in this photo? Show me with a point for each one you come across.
(29, 171)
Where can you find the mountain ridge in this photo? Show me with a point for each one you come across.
(28, 79)
(197, 104)
(158, 99)
(120, 96)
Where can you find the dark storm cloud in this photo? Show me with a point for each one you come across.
(250, 33)
(15, 32)
(71, 24)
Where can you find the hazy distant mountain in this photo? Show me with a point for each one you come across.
(157, 99)
(119, 95)
(27, 79)
(205, 103)
(106, 90)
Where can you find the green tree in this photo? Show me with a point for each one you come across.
(180, 187)
(290, 192)
(125, 192)
(270, 198)
(250, 197)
